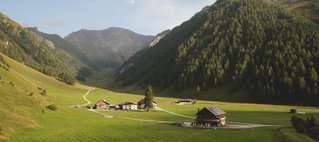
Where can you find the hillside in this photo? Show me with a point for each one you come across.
(21, 45)
(247, 44)
(20, 93)
(110, 47)
(307, 8)
(78, 56)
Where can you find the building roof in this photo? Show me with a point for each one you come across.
(102, 101)
(127, 103)
(215, 110)
(143, 101)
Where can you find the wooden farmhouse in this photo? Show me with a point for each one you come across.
(102, 104)
(141, 104)
(185, 101)
(211, 116)
(128, 106)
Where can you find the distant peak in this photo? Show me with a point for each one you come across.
(33, 28)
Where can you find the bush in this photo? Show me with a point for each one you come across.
(52, 107)
(43, 92)
(300, 128)
(293, 110)
(308, 127)
(194, 101)
(11, 83)
(296, 120)
(314, 133)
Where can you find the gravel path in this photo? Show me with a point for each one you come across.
(84, 97)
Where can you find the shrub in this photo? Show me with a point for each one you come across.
(11, 83)
(300, 128)
(52, 107)
(293, 110)
(308, 127)
(194, 101)
(43, 92)
(314, 133)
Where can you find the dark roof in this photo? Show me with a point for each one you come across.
(102, 101)
(185, 100)
(127, 103)
(215, 110)
(143, 101)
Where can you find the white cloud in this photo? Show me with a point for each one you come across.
(165, 14)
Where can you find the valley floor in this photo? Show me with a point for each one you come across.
(70, 124)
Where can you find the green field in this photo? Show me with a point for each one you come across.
(70, 124)
(23, 120)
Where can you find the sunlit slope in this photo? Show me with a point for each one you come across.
(19, 91)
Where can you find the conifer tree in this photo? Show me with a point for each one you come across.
(148, 98)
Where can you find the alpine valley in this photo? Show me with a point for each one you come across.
(238, 70)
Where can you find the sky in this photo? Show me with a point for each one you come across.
(63, 17)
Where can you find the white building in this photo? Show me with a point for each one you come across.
(185, 101)
(128, 106)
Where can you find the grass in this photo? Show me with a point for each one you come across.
(23, 119)
(287, 134)
(69, 124)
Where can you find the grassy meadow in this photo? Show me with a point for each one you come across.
(70, 124)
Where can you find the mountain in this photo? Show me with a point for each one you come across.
(253, 45)
(23, 46)
(55, 41)
(130, 62)
(110, 47)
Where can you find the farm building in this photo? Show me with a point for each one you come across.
(141, 104)
(185, 101)
(102, 104)
(211, 116)
(128, 106)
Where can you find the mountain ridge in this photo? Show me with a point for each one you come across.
(109, 47)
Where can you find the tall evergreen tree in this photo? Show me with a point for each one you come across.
(148, 98)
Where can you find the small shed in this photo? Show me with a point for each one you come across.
(185, 101)
(141, 104)
(211, 116)
(102, 104)
(128, 106)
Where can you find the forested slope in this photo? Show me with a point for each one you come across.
(250, 44)
(21, 45)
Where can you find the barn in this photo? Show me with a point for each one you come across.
(102, 104)
(211, 116)
(141, 104)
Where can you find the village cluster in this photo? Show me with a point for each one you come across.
(102, 104)
(208, 117)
